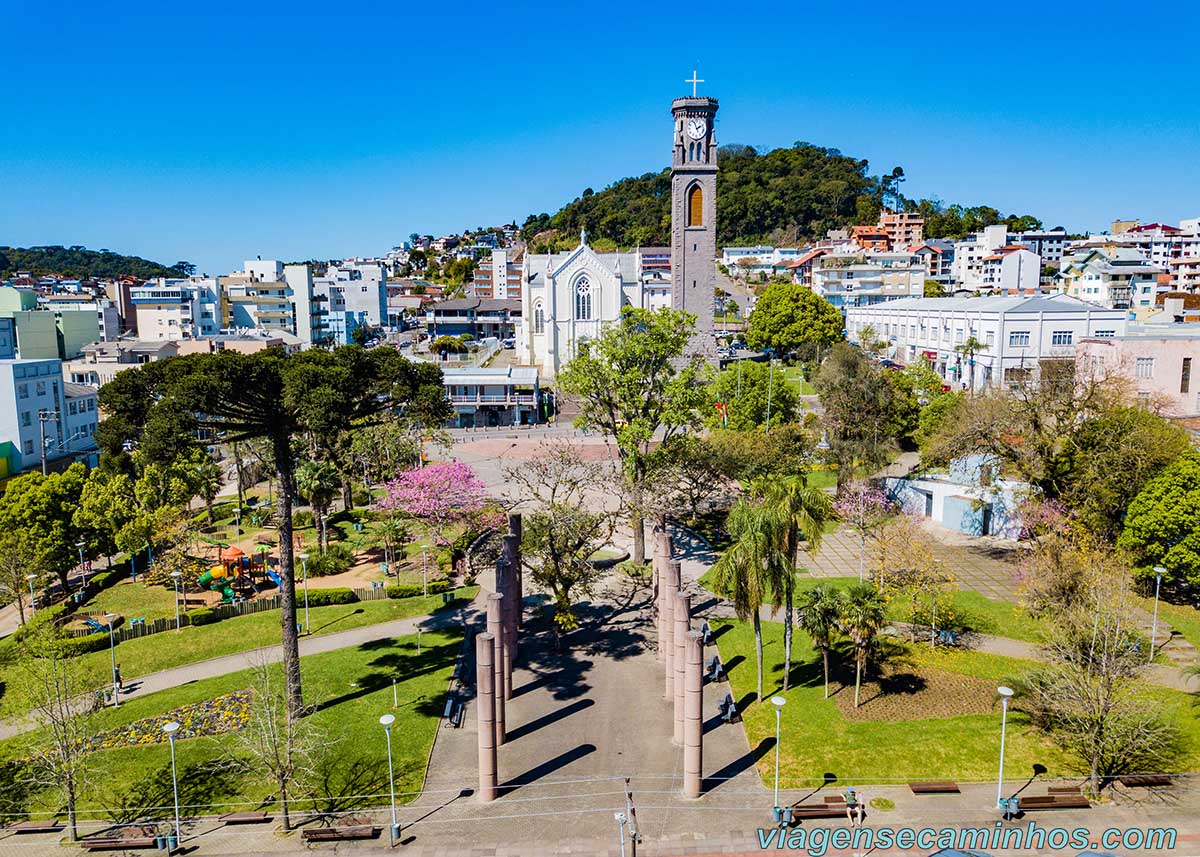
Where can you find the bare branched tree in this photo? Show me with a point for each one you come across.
(20, 556)
(565, 526)
(57, 688)
(276, 745)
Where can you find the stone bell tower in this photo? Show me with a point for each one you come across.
(694, 214)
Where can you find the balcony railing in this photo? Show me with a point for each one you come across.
(492, 398)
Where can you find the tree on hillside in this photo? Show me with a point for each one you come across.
(860, 411)
(788, 315)
(628, 385)
(741, 396)
(268, 395)
(1162, 526)
(753, 567)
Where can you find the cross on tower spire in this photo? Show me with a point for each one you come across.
(694, 80)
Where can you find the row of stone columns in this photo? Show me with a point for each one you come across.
(682, 652)
(495, 654)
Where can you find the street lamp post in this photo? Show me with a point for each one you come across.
(778, 702)
(304, 574)
(170, 729)
(1159, 571)
(175, 575)
(32, 596)
(1005, 695)
(112, 650)
(237, 521)
(80, 545)
(621, 820)
(386, 721)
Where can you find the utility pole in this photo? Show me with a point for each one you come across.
(45, 415)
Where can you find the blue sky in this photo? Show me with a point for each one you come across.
(220, 131)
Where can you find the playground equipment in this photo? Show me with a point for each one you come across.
(218, 579)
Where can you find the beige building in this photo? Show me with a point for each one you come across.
(1161, 366)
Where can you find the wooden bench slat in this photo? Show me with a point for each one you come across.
(117, 843)
(1063, 790)
(48, 826)
(1053, 802)
(1144, 780)
(247, 817)
(934, 787)
(818, 811)
(334, 834)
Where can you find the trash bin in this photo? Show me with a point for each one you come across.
(396, 832)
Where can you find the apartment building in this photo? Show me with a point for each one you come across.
(37, 413)
(937, 255)
(1113, 276)
(174, 309)
(493, 397)
(1015, 334)
(1159, 362)
(498, 277)
(41, 333)
(904, 229)
(860, 279)
(108, 318)
(1012, 269)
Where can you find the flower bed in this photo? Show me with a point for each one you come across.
(221, 714)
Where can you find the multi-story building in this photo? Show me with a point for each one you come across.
(749, 261)
(480, 318)
(967, 271)
(1014, 335)
(1113, 276)
(351, 296)
(904, 229)
(36, 418)
(493, 397)
(1049, 244)
(871, 238)
(937, 255)
(108, 319)
(1159, 362)
(40, 333)
(1185, 274)
(173, 309)
(859, 279)
(1012, 269)
(498, 277)
(101, 361)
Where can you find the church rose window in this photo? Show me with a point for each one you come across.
(583, 299)
(695, 202)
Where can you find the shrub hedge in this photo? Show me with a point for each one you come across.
(327, 597)
(411, 590)
(335, 560)
(203, 616)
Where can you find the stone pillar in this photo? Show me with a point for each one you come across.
(485, 711)
(516, 529)
(693, 716)
(507, 639)
(495, 628)
(512, 558)
(658, 570)
(666, 640)
(683, 625)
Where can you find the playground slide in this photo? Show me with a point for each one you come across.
(275, 578)
(218, 579)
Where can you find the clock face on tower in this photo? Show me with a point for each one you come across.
(696, 128)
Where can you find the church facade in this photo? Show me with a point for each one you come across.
(567, 298)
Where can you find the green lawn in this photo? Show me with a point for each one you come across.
(134, 600)
(176, 648)
(350, 690)
(795, 377)
(1181, 617)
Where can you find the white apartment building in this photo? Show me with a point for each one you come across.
(170, 309)
(1011, 270)
(35, 408)
(1113, 276)
(1049, 244)
(1015, 334)
(859, 279)
(969, 254)
(749, 260)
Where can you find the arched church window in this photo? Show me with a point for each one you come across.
(695, 204)
(583, 299)
(539, 318)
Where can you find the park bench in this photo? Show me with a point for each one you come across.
(453, 712)
(706, 636)
(840, 800)
(245, 817)
(141, 836)
(727, 710)
(819, 810)
(340, 834)
(1145, 780)
(937, 787)
(1063, 790)
(42, 825)
(1056, 801)
(716, 671)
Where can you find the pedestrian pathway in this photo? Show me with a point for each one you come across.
(215, 667)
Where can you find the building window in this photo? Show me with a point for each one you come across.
(991, 338)
(26, 419)
(1105, 334)
(695, 203)
(1185, 375)
(41, 388)
(23, 391)
(1062, 337)
(1018, 339)
(583, 299)
(539, 318)
(1144, 368)
(29, 447)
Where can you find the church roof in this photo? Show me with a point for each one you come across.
(542, 265)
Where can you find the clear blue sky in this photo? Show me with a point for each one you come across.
(219, 131)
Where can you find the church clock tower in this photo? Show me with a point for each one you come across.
(694, 214)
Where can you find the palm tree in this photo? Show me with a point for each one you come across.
(819, 609)
(318, 482)
(968, 350)
(209, 480)
(803, 512)
(751, 567)
(861, 616)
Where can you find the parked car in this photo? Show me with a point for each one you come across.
(509, 343)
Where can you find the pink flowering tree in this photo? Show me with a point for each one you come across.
(864, 508)
(443, 495)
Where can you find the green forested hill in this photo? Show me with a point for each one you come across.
(780, 197)
(77, 261)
